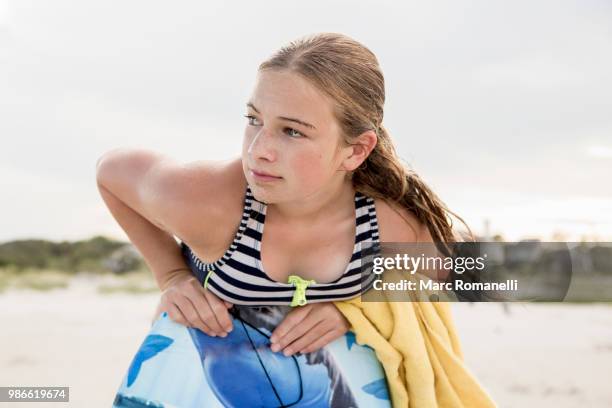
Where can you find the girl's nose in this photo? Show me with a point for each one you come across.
(262, 147)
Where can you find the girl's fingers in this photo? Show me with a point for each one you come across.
(291, 320)
(203, 310)
(176, 315)
(192, 315)
(319, 342)
(220, 316)
(199, 307)
(312, 325)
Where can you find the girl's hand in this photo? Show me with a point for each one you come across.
(188, 303)
(309, 328)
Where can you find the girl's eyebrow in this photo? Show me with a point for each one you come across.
(308, 125)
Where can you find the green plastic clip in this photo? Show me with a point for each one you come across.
(299, 296)
(206, 279)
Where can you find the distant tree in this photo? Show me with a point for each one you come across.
(65, 256)
(601, 257)
(124, 259)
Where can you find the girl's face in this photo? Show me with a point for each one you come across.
(292, 135)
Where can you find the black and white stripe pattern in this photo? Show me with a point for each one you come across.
(238, 276)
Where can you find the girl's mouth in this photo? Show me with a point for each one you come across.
(260, 176)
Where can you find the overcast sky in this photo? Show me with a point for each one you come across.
(505, 108)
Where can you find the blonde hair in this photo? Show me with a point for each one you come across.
(349, 73)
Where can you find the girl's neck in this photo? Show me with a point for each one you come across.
(327, 205)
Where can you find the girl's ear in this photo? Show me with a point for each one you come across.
(359, 150)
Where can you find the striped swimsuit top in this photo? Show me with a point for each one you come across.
(238, 276)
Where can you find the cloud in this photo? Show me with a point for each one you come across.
(602, 152)
(534, 73)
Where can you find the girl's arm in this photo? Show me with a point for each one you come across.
(135, 197)
(159, 248)
(149, 195)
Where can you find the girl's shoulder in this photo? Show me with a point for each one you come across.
(213, 193)
(398, 224)
(194, 201)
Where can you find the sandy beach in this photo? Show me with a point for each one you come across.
(525, 355)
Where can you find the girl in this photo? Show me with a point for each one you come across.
(284, 225)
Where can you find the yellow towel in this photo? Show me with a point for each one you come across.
(417, 345)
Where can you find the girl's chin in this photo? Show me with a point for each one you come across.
(261, 192)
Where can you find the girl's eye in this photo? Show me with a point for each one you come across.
(250, 119)
(288, 131)
(296, 134)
